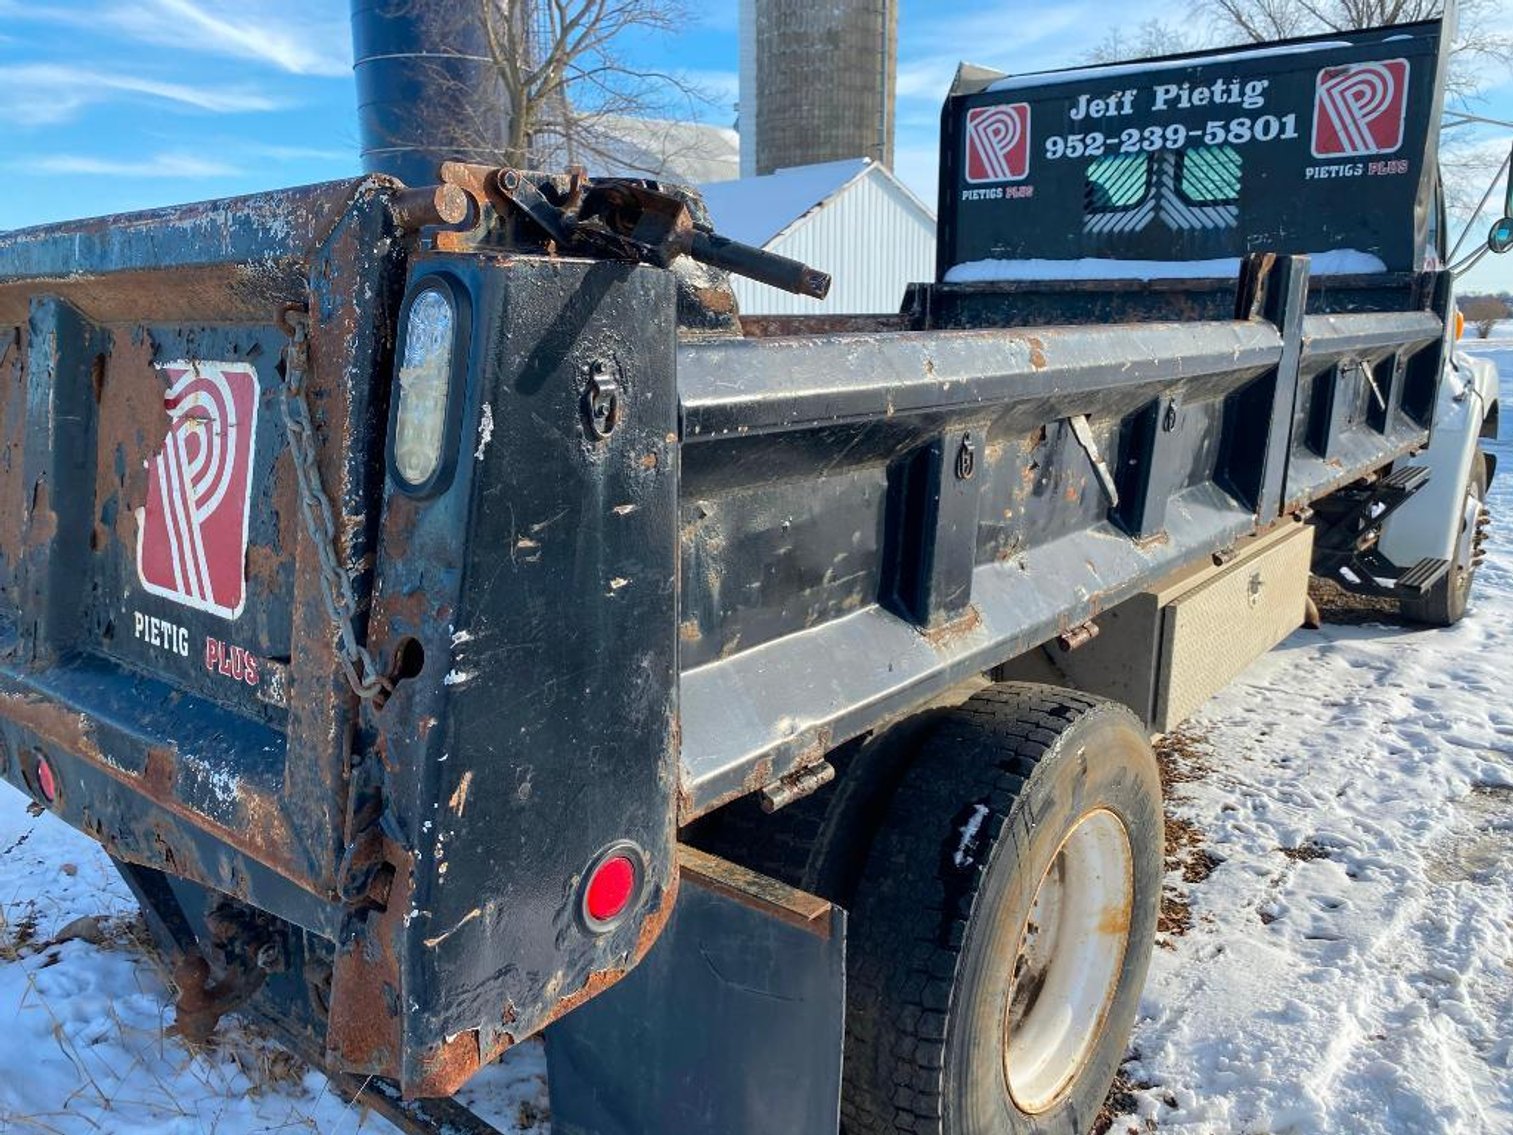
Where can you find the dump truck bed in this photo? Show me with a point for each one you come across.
(825, 531)
(658, 563)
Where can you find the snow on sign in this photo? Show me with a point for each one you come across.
(1359, 110)
(192, 535)
(998, 143)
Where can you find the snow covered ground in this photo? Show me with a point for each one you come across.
(1348, 967)
(1350, 963)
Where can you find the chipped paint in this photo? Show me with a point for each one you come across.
(459, 800)
(485, 431)
(432, 943)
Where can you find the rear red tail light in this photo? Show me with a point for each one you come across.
(611, 888)
(613, 885)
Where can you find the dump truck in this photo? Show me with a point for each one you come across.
(460, 625)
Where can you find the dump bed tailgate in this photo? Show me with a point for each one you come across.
(166, 645)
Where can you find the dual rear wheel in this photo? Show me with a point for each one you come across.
(1002, 863)
(1003, 926)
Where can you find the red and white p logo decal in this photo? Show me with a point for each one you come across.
(192, 536)
(1359, 109)
(998, 143)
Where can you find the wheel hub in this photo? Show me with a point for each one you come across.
(1071, 953)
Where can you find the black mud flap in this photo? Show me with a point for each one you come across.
(749, 974)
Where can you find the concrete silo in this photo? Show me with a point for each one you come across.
(817, 79)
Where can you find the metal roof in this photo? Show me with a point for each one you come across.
(762, 210)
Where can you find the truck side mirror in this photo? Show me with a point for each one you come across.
(1500, 239)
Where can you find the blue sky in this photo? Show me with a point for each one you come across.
(111, 105)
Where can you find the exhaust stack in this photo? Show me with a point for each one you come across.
(427, 91)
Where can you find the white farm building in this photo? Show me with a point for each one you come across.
(853, 219)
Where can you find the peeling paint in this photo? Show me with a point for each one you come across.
(485, 430)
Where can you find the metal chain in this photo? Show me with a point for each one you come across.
(320, 521)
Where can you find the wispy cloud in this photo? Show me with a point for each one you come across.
(286, 35)
(298, 38)
(45, 94)
(177, 167)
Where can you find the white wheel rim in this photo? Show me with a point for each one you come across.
(1465, 550)
(1071, 952)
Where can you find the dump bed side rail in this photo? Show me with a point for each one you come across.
(869, 519)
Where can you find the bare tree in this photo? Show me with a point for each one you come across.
(1482, 49)
(1480, 40)
(1144, 40)
(570, 89)
(556, 88)
(1485, 313)
(1481, 45)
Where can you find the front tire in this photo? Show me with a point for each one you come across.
(1003, 926)
(1444, 605)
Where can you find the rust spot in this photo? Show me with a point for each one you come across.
(263, 564)
(689, 630)
(459, 801)
(132, 424)
(814, 750)
(52, 723)
(1037, 352)
(759, 775)
(646, 936)
(649, 461)
(718, 301)
(261, 829)
(13, 436)
(44, 521)
(158, 776)
(783, 326)
(222, 293)
(1115, 922)
(407, 612)
(285, 499)
(448, 1066)
(947, 633)
(364, 1034)
(796, 908)
(401, 515)
(203, 1001)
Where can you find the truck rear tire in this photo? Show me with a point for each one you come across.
(1003, 926)
(1444, 604)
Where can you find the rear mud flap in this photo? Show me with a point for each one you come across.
(749, 974)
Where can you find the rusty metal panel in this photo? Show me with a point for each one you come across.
(535, 720)
(160, 602)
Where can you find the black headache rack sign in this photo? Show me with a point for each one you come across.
(1325, 146)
